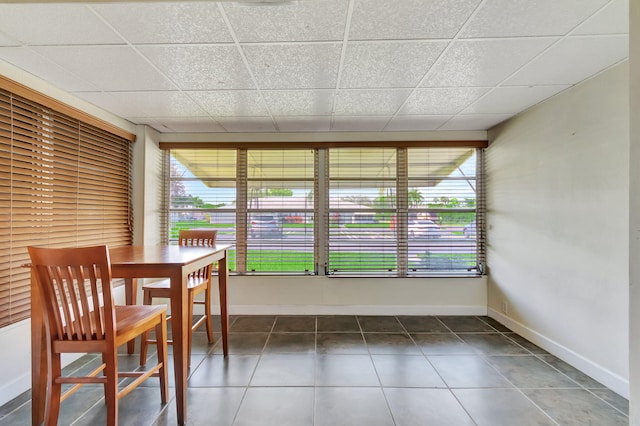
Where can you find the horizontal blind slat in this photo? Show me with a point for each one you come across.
(69, 185)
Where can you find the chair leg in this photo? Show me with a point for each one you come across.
(207, 312)
(161, 348)
(110, 358)
(190, 339)
(144, 337)
(52, 410)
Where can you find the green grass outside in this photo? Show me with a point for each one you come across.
(298, 261)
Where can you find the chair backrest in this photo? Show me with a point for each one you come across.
(75, 286)
(201, 238)
(197, 237)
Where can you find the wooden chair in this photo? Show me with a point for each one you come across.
(75, 288)
(198, 282)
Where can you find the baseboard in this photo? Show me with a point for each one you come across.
(355, 310)
(618, 384)
(12, 389)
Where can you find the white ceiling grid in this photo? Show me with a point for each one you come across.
(316, 65)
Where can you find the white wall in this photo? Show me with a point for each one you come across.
(634, 234)
(147, 187)
(558, 225)
(373, 296)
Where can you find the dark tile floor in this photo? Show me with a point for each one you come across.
(359, 370)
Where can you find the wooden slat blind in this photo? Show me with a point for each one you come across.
(63, 183)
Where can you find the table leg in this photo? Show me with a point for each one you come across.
(131, 296)
(223, 277)
(180, 328)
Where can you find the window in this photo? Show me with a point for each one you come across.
(381, 210)
(65, 182)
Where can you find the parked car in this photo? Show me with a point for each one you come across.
(469, 231)
(424, 228)
(263, 225)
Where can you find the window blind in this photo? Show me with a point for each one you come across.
(261, 200)
(65, 183)
(380, 210)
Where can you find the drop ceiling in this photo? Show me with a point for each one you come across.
(315, 65)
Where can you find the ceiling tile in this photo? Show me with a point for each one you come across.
(186, 124)
(247, 124)
(180, 22)
(572, 60)
(299, 102)
(416, 122)
(370, 102)
(7, 41)
(408, 19)
(198, 67)
(55, 24)
(359, 124)
(511, 100)
(294, 66)
(290, 21)
(483, 62)
(145, 104)
(34, 63)
(612, 19)
(231, 103)
(304, 124)
(474, 121)
(526, 18)
(388, 64)
(441, 101)
(107, 67)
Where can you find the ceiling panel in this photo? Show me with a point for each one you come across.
(526, 18)
(109, 68)
(231, 103)
(304, 124)
(409, 19)
(291, 21)
(28, 59)
(359, 123)
(314, 65)
(388, 64)
(572, 60)
(370, 102)
(611, 19)
(510, 100)
(247, 124)
(483, 62)
(474, 121)
(185, 22)
(182, 125)
(194, 67)
(294, 66)
(7, 41)
(146, 104)
(416, 122)
(299, 102)
(441, 101)
(55, 24)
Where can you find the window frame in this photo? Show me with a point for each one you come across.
(322, 203)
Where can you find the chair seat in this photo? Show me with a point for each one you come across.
(130, 319)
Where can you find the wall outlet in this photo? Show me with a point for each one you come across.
(505, 307)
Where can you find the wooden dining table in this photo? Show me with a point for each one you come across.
(133, 262)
